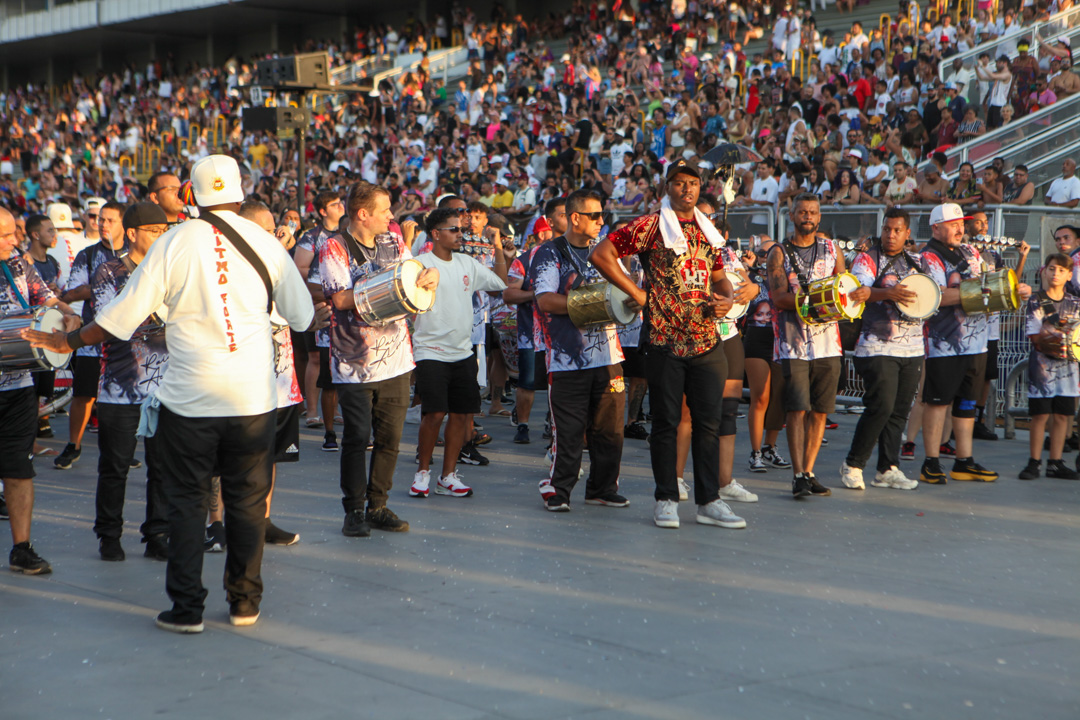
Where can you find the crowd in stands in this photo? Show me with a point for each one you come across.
(634, 90)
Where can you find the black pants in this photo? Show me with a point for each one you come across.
(891, 384)
(587, 404)
(701, 379)
(116, 449)
(378, 406)
(191, 449)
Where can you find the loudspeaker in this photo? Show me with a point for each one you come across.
(300, 71)
(273, 119)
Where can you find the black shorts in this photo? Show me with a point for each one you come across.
(810, 385)
(448, 386)
(1052, 406)
(287, 435)
(44, 383)
(736, 358)
(326, 380)
(304, 342)
(991, 371)
(633, 364)
(18, 428)
(952, 378)
(758, 342)
(541, 370)
(85, 372)
(491, 338)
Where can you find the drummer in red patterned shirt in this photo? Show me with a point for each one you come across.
(686, 290)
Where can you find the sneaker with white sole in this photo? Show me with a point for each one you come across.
(772, 457)
(718, 513)
(894, 478)
(684, 490)
(666, 514)
(851, 477)
(451, 485)
(737, 493)
(757, 462)
(420, 483)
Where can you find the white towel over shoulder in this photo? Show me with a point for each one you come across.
(670, 230)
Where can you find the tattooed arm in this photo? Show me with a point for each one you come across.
(779, 289)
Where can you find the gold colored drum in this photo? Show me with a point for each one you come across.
(598, 304)
(990, 293)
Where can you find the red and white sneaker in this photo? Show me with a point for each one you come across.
(420, 483)
(546, 490)
(451, 485)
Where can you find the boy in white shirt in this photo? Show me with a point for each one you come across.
(446, 367)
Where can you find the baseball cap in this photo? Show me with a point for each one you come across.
(60, 214)
(688, 167)
(215, 180)
(908, 49)
(875, 120)
(144, 213)
(950, 86)
(947, 212)
(1023, 46)
(541, 225)
(855, 152)
(95, 203)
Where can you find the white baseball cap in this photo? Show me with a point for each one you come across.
(947, 212)
(94, 203)
(215, 180)
(60, 214)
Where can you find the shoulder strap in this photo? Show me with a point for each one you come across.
(14, 287)
(563, 246)
(244, 249)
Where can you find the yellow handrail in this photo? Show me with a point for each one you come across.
(224, 131)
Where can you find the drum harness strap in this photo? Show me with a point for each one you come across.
(244, 249)
(796, 263)
(1050, 313)
(14, 287)
(563, 246)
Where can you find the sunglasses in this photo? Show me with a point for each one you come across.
(452, 229)
(594, 216)
(92, 217)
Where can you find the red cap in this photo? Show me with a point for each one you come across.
(540, 225)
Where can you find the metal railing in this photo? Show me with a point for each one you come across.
(994, 142)
(1065, 23)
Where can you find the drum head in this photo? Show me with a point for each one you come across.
(1013, 289)
(622, 314)
(927, 300)
(737, 309)
(47, 320)
(848, 283)
(421, 299)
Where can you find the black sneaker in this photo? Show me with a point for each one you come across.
(816, 488)
(471, 456)
(1058, 469)
(356, 525)
(831, 424)
(330, 442)
(800, 486)
(1032, 470)
(44, 429)
(277, 536)
(554, 503)
(23, 559)
(635, 431)
(384, 519)
(947, 450)
(522, 435)
(136, 463)
(66, 459)
(110, 550)
(480, 439)
(769, 455)
(157, 546)
(968, 469)
(215, 537)
(932, 472)
(981, 432)
(1072, 442)
(3, 508)
(612, 499)
(907, 451)
(169, 620)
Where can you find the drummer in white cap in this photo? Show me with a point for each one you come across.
(218, 399)
(21, 288)
(956, 349)
(69, 241)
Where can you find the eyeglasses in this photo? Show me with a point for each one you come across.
(594, 216)
(92, 217)
(452, 229)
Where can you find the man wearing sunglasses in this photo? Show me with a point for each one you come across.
(446, 367)
(164, 190)
(93, 210)
(584, 365)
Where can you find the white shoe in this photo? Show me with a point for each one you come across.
(684, 490)
(852, 477)
(412, 415)
(894, 478)
(420, 483)
(718, 513)
(737, 493)
(451, 485)
(666, 514)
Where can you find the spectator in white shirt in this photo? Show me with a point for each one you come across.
(1065, 191)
